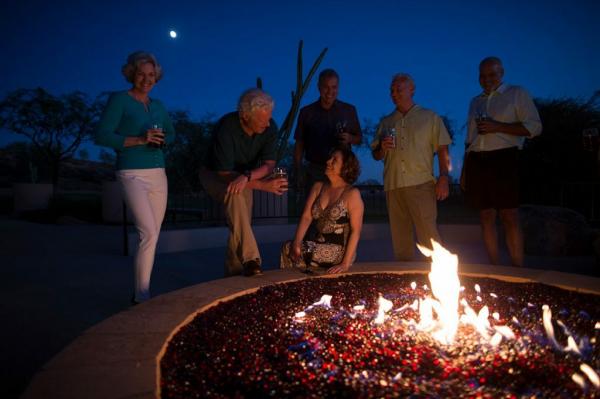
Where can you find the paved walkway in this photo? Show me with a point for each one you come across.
(56, 281)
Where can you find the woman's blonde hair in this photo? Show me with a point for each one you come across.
(134, 60)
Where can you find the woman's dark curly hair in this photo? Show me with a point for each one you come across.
(350, 165)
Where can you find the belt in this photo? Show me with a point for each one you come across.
(491, 154)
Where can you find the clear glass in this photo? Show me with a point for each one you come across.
(157, 126)
(481, 116)
(589, 138)
(340, 127)
(390, 132)
(279, 172)
(308, 251)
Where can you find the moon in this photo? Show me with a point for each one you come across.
(173, 34)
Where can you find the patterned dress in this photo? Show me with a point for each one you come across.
(333, 228)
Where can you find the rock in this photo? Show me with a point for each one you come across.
(555, 231)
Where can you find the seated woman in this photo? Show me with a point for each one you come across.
(336, 208)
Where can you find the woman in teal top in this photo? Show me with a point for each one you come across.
(137, 127)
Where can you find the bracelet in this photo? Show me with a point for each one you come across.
(248, 174)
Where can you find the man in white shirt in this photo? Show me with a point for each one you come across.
(499, 121)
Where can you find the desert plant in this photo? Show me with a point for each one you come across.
(301, 86)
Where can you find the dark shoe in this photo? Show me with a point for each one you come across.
(251, 268)
(133, 301)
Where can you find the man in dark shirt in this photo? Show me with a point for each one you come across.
(240, 159)
(322, 126)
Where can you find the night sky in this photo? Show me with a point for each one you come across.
(552, 48)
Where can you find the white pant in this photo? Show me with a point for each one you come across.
(145, 192)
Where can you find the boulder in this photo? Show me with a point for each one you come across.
(555, 231)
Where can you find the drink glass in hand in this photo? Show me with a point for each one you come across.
(157, 128)
(308, 251)
(340, 128)
(390, 132)
(481, 117)
(589, 137)
(279, 172)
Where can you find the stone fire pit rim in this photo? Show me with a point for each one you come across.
(419, 270)
(119, 357)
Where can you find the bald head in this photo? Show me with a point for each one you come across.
(491, 61)
(491, 73)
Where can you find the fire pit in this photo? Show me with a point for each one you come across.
(374, 335)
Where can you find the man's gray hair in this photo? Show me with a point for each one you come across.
(137, 58)
(491, 60)
(253, 99)
(404, 77)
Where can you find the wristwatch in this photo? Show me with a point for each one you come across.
(248, 174)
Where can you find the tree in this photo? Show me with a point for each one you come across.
(185, 156)
(21, 163)
(84, 154)
(369, 182)
(558, 154)
(369, 129)
(449, 124)
(107, 156)
(55, 125)
(556, 167)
